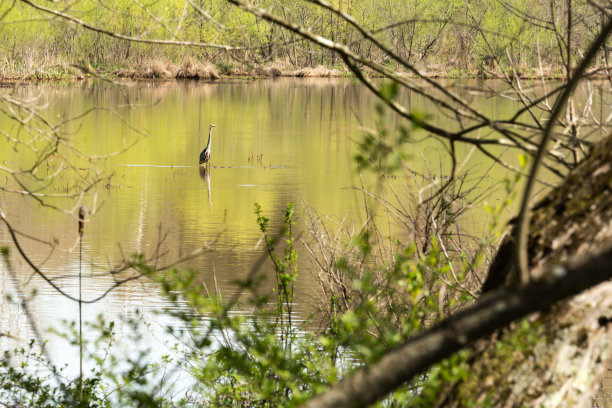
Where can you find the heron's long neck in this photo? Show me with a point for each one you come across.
(209, 138)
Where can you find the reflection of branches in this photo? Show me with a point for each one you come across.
(136, 264)
(54, 153)
(223, 314)
(516, 132)
(24, 304)
(41, 274)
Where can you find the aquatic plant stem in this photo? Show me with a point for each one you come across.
(80, 322)
(82, 215)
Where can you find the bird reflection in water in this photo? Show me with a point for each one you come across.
(205, 175)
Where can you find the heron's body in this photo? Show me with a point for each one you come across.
(205, 155)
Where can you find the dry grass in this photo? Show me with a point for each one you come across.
(278, 67)
(35, 63)
(319, 72)
(150, 69)
(160, 68)
(450, 267)
(39, 63)
(238, 71)
(192, 69)
(266, 72)
(283, 67)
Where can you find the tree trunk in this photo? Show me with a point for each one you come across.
(561, 356)
(568, 358)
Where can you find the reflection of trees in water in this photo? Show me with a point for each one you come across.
(470, 121)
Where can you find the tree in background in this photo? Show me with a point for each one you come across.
(549, 130)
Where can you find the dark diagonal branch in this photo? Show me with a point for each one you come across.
(346, 52)
(49, 280)
(491, 312)
(524, 214)
(368, 35)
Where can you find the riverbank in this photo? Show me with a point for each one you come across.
(164, 69)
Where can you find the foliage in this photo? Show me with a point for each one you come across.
(264, 359)
(460, 35)
(377, 290)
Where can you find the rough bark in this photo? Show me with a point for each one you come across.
(491, 312)
(570, 359)
(567, 355)
(573, 219)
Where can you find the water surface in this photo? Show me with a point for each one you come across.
(275, 142)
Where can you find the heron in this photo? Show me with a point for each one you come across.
(205, 155)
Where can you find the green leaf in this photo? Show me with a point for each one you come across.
(389, 91)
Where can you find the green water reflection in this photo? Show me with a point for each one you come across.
(275, 142)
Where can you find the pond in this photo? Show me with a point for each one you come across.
(275, 142)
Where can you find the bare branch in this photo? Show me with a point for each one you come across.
(524, 214)
(491, 312)
(113, 34)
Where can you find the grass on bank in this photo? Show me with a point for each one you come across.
(443, 38)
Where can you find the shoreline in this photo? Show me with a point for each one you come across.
(160, 69)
